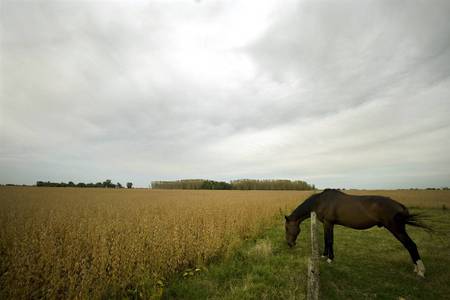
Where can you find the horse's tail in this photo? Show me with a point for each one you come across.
(416, 220)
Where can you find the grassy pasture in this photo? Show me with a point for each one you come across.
(93, 243)
(262, 268)
(372, 264)
(369, 264)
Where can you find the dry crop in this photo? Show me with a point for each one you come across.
(96, 243)
(105, 243)
(412, 198)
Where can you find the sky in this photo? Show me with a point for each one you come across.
(348, 94)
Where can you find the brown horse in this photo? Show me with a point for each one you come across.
(359, 212)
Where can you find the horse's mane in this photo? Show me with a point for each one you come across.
(332, 191)
(305, 207)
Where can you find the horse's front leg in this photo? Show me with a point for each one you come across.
(330, 243)
(328, 228)
(325, 243)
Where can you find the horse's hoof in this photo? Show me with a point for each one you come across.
(329, 261)
(419, 268)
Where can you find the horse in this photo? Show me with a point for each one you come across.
(334, 207)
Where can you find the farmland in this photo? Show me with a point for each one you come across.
(372, 264)
(79, 243)
(369, 264)
(97, 243)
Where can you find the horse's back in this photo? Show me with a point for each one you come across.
(360, 212)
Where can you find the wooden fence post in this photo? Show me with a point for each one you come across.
(313, 263)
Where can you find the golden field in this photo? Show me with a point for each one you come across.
(107, 243)
(95, 243)
(412, 198)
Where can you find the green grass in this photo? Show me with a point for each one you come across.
(372, 264)
(369, 264)
(263, 268)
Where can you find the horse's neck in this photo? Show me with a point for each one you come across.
(303, 211)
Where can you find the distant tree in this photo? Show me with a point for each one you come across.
(215, 185)
(81, 184)
(107, 183)
(71, 184)
(129, 185)
(241, 184)
(119, 186)
(270, 184)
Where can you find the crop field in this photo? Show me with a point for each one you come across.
(107, 243)
(93, 243)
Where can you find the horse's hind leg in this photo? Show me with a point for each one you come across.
(399, 231)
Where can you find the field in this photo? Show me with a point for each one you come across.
(262, 268)
(105, 243)
(91, 243)
(372, 264)
(369, 264)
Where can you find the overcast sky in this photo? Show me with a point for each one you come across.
(337, 93)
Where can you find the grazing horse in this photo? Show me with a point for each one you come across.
(359, 212)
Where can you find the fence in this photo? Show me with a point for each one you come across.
(313, 263)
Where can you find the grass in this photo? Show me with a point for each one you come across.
(263, 268)
(372, 264)
(369, 264)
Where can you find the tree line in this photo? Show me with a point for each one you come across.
(105, 184)
(271, 184)
(241, 184)
(191, 184)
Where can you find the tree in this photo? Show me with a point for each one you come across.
(129, 185)
(119, 186)
(107, 183)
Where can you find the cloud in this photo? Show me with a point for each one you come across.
(350, 94)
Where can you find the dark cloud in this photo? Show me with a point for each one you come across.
(342, 94)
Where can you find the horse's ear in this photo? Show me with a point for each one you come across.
(286, 218)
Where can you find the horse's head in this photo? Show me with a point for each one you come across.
(292, 231)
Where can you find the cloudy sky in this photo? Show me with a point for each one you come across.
(338, 93)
